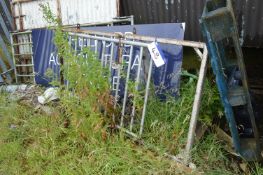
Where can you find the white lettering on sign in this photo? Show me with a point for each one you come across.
(135, 62)
(156, 54)
(53, 59)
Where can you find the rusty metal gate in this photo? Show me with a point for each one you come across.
(109, 40)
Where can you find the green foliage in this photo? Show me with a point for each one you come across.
(256, 168)
(41, 144)
(171, 118)
(211, 158)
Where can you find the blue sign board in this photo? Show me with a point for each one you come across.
(166, 78)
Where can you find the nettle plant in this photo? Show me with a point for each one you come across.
(84, 89)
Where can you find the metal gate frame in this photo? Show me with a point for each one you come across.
(142, 42)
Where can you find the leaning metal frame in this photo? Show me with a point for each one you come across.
(142, 42)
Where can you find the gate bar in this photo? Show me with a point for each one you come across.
(196, 107)
(186, 43)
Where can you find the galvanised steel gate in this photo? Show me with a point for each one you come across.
(127, 43)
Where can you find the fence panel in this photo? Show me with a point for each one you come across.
(129, 122)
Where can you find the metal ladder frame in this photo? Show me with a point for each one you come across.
(27, 45)
(218, 24)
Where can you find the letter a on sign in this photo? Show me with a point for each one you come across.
(156, 54)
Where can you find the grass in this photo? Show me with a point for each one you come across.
(40, 144)
(33, 142)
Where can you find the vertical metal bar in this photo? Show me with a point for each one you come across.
(1, 79)
(4, 27)
(14, 59)
(76, 45)
(96, 45)
(70, 40)
(196, 107)
(82, 43)
(103, 53)
(88, 42)
(111, 58)
(136, 88)
(67, 64)
(132, 20)
(111, 54)
(107, 56)
(117, 89)
(6, 52)
(4, 69)
(32, 58)
(126, 86)
(146, 97)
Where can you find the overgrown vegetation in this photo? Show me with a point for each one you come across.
(75, 137)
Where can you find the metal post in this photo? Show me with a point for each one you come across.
(14, 59)
(32, 58)
(103, 53)
(196, 106)
(146, 97)
(111, 55)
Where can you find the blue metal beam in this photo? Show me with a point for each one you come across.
(5, 29)
(1, 79)
(7, 13)
(6, 52)
(4, 69)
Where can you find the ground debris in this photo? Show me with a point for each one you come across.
(29, 95)
(50, 94)
(23, 94)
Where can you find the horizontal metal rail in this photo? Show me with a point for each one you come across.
(3, 73)
(142, 38)
(115, 20)
(21, 33)
(115, 40)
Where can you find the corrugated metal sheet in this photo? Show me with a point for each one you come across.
(249, 16)
(32, 15)
(71, 11)
(88, 11)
